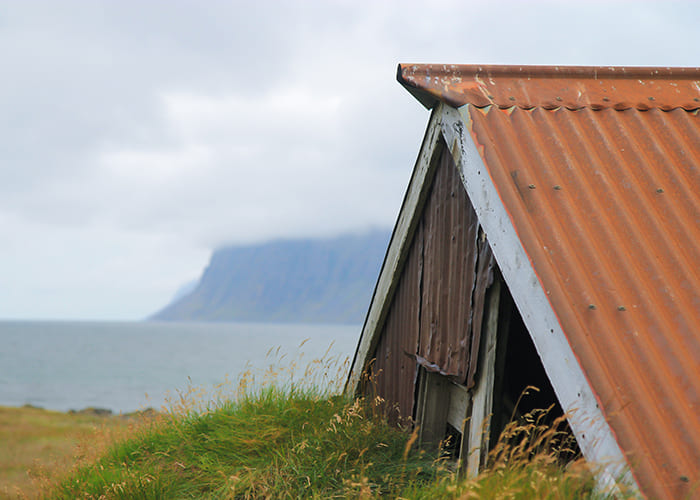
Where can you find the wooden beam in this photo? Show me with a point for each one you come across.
(482, 405)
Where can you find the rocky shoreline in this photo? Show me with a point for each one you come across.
(101, 412)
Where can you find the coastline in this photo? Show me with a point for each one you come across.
(92, 411)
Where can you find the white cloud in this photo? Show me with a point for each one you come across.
(154, 167)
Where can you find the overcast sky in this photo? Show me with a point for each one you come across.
(136, 137)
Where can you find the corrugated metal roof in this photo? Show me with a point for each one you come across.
(599, 171)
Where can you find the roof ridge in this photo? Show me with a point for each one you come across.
(551, 87)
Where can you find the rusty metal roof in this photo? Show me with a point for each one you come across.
(599, 171)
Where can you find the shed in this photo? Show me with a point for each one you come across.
(550, 235)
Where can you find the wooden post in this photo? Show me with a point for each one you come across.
(482, 401)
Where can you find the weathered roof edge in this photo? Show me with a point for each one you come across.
(551, 87)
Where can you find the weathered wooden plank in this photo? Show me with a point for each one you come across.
(482, 406)
(457, 412)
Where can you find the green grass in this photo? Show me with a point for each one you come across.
(300, 444)
(298, 441)
(277, 444)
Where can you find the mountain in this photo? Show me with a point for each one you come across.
(304, 280)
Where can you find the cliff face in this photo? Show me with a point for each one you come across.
(306, 280)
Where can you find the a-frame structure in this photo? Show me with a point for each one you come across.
(554, 211)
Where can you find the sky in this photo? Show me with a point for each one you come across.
(137, 137)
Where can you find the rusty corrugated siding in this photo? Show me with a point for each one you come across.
(605, 197)
(450, 254)
(439, 300)
(394, 369)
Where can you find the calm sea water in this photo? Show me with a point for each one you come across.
(130, 366)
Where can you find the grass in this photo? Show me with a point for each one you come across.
(274, 445)
(298, 441)
(287, 444)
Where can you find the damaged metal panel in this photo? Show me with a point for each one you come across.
(451, 252)
(436, 313)
(484, 279)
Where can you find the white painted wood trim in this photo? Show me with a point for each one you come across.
(396, 253)
(594, 435)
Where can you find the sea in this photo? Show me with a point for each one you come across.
(131, 366)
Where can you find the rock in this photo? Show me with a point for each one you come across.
(99, 412)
